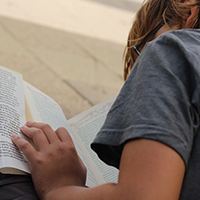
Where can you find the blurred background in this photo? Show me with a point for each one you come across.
(69, 49)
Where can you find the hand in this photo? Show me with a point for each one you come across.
(55, 163)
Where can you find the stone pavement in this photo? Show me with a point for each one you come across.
(69, 49)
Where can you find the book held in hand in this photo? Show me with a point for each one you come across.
(20, 101)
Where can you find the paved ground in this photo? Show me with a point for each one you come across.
(70, 49)
(129, 5)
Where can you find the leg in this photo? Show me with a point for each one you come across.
(17, 187)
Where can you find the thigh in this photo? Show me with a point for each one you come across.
(17, 187)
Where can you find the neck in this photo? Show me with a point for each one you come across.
(162, 30)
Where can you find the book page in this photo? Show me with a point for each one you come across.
(12, 117)
(46, 110)
(87, 125)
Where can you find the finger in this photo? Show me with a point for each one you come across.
(63, 135)
(47, 130)
(39, 139)
(24, 146)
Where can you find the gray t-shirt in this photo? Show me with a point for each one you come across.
(160, 101)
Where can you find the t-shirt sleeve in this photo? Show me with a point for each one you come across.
(154, 103)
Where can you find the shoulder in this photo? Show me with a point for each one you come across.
(184, 42)
(175, 52)
(183, 37)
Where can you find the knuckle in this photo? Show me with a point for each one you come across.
(37, 132)
(71, 147)
(61, 130)
(45, 126)
(56, 149)
(39, 160)
(60, 148)
(24, 145)
(66, 147)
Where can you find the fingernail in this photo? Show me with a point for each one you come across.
(15, 136)
(23, 127)
(28, 123)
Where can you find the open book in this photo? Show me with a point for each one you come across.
(20, 101)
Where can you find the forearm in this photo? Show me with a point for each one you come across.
(149, 169)
(103, 192)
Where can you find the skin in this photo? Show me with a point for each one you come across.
(148, 169)
(156, 170)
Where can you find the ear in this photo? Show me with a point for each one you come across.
(194, 11)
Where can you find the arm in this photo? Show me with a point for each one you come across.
(149, 170)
